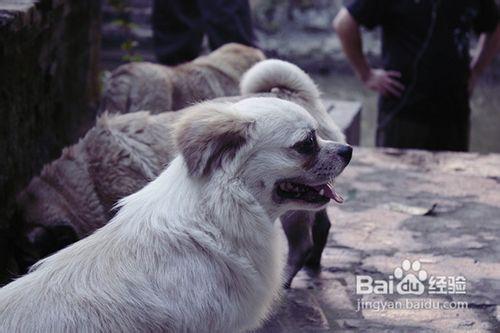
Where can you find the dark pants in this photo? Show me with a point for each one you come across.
(439, 123)
(179, 27)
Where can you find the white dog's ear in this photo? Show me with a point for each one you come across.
(207, 135)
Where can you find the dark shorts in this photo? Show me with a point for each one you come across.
(439, 123)
(179, 27)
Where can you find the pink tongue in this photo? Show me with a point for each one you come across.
(329, 192)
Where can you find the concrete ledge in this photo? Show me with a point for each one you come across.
(347, 115)
(17, 14)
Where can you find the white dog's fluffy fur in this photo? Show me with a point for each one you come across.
(123, 152)
(193, 251)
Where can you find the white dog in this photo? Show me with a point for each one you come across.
(195, 250)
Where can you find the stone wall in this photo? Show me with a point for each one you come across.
(49, 53)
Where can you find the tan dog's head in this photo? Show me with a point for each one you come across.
(269, 145)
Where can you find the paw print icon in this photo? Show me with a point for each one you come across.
(412, 277)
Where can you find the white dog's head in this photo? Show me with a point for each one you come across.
(268, 144)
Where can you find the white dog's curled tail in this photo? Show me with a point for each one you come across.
(273, 73)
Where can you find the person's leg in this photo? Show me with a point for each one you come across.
(409, 128)
(227, 21)
(451, 130)
(177, 30)
(441, 123)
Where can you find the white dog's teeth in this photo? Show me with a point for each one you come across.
(322, 192)
(288, 187)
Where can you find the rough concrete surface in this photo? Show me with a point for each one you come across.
(442, 209)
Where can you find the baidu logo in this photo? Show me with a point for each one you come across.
(410, 279)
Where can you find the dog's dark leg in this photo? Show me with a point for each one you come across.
(45, 240)
(297, 226)
(320, 229)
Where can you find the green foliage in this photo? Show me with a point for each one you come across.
(129, 46)
(103, 78)
(124, 24)
(132, 58)
(118, 5)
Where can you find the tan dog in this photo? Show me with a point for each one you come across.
(75, 194)
(147, 86)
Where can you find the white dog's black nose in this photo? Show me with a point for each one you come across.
(345, 152)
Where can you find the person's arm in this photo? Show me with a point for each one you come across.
(380, 80)
(487, 48)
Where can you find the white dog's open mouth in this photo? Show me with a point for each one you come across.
(313, 194)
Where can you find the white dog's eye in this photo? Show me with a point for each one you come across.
(307, 146)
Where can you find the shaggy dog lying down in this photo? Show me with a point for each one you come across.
(74, 195)
(195, 250)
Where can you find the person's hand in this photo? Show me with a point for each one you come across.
(384, 82)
